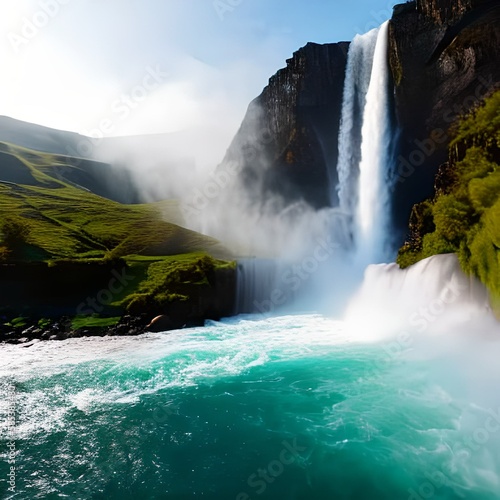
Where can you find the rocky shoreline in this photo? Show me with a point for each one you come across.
(61, 329)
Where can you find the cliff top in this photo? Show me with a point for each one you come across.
(447, 11)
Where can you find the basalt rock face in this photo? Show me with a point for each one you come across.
(446, 11)
(444, 60)
(287, 143)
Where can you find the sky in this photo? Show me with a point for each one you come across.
(122, 67)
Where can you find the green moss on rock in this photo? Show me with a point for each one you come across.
(465, 218)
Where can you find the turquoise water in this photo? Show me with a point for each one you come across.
(279, 408)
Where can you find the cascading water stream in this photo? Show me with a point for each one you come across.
(357, 81)
(255, 281)
(365, 140)
(373, 205)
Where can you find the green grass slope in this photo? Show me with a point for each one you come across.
(63, 221)
(58, 233)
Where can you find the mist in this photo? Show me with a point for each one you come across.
(436, 318)
(206, 172)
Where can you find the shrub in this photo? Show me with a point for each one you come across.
(466, 220)
(14, 231)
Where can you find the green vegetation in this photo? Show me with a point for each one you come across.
(170, 279)
(60, 221)
(18, 322)
(93, 322)
(465, 217)
(43, 323)
(47, 219)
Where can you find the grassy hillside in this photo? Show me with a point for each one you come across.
(51, 227)
(62, 221)
(464, 215)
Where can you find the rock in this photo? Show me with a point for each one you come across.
(28, 331)
(161, 323)
(446, 11)
(32, 343)
(444, 61)
(288, 138)
(121, 329)
(46, 335)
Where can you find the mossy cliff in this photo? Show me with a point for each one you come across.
(463, 216)
(444, 60)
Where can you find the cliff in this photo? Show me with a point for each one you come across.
(463, 216)
(288, 140)
(446, 11)
(41, 301)
(444, 60)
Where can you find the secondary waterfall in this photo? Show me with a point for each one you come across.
(365, 144)
(255, 283)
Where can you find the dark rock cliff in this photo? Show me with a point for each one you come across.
(444, 59)
(446, 11)
(288, 140)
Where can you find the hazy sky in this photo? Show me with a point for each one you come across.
(141, 66)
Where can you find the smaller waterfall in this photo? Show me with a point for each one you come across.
(256, 280)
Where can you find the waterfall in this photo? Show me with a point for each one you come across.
(359, 226)
(256, 280)
(373, 205)
(357, 80)
(432, 296)
(365, 142)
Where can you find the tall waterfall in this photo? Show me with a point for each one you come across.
(357, 81)
(360, 224)
(365, 140)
